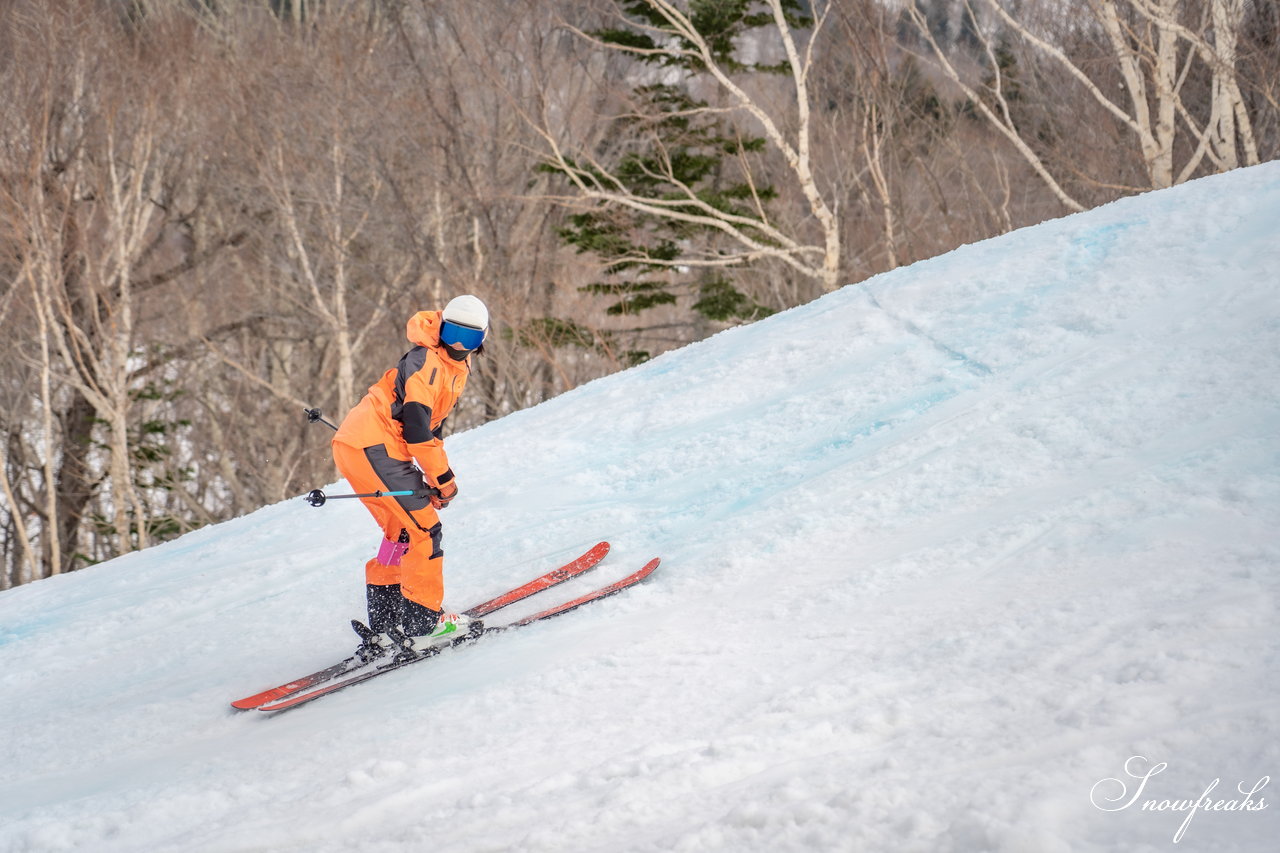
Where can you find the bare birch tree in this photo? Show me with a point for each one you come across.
(682, 35)
(1155, 48)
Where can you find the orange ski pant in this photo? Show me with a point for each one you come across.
(420, 572)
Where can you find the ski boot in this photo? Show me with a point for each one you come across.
(425, 632)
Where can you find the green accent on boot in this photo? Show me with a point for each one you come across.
(444, 629)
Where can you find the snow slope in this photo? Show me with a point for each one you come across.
(942, 553)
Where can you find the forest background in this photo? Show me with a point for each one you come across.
(215, 214)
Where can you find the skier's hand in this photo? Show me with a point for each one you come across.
(444, 493)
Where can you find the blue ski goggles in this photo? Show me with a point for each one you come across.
(463, 337)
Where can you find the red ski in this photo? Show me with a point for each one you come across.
(550, 579)
(604, 592)
(333, 687)
(555, 576)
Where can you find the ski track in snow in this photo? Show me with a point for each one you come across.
(941, 551)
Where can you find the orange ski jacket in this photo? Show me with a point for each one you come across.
(405, 410)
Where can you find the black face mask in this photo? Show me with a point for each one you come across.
(456, 353)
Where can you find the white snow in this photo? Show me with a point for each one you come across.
(942, 552)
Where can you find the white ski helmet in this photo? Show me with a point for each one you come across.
(465, 322)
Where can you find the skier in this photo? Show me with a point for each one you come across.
(399, 423)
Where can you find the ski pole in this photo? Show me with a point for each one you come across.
(315, 497)
(314, 415)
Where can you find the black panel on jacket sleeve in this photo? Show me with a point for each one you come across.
(417, 423)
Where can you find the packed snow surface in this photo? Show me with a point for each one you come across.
(981, 554)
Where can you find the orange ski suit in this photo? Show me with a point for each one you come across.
(397, 424)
